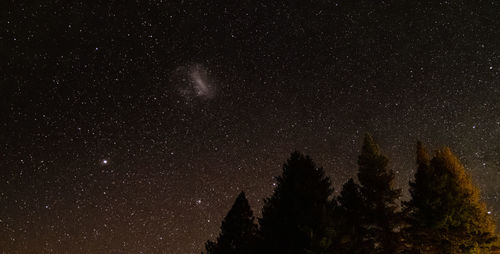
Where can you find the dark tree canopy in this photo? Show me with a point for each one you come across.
(445, 213)
(381, 218)
(420, 214)
(348, 223)
(297, 212)
(237, 231)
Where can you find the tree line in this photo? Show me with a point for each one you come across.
(444, 214)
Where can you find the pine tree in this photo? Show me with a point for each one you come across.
(237, 231)
(445, 213)
(420, 214)
(382, 221)
(349, 235)
(297, 212)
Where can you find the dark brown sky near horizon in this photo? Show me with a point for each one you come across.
(131, 127)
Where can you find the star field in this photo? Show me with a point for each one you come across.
(132, 127)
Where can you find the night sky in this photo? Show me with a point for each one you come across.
(131, 127)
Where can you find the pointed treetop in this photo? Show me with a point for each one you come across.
(237, 230)
(423, 156)
(350, 196)
(298, 156)
(297, 162)
(446, 160)
(349, 187)
(446, 157)
(295, 155)
(241, 197)
(447, 205)
(240, 206)
(369, 145)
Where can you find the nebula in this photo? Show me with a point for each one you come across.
(195, 82)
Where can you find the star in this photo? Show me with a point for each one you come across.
(181, 106)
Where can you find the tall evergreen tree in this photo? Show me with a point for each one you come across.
(237, 231)
(445, 213)
(380, 215)
(349, 231)
(297, 212)
(420, 215)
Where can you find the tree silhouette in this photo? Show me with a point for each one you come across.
(419, 211)
(349, 236)
(445, 213)
(380, 215)
(237, 231)
(297, 212)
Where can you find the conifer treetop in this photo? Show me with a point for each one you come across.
(423, 156)
(369, 146)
